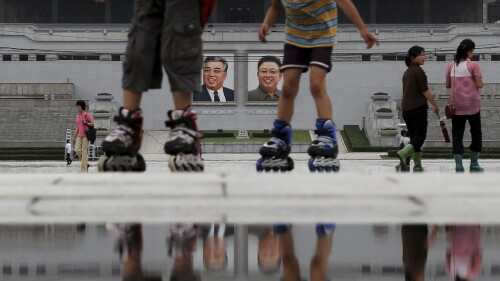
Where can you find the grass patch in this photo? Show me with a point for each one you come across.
(447, 153)
(355, 136)
(297, 136)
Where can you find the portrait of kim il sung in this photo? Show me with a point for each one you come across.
(213, 89)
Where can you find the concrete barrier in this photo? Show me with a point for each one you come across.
(250, 198)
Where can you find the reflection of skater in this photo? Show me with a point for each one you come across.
(68, 152)
(416, 243)
(404, 141)
(464, 259)
(308, 45)
(182, 245)
(319, 261)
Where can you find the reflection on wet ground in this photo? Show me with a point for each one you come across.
(249, 252)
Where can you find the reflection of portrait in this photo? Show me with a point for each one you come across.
(214, 75)
(268, 252)
(269, 75)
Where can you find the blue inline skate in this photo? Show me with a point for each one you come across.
(324, 149)
(275, 152)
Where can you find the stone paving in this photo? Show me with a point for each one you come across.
(245, 163)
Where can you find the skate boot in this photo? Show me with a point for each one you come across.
(183, 143)
(324, 149)
(275, 152)
(121, 146)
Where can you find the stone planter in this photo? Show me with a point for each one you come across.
(100, 115)
(384, 115)
(380, 97)
(387, 133)
(104, 97)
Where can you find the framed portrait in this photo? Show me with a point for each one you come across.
(264, 78)
(217, 77)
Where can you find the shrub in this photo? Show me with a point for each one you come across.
(384, 109)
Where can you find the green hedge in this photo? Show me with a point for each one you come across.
(218, 135)
(261, 135)
(32, 152)
(31, 157)
(447, 153)
(32, 148)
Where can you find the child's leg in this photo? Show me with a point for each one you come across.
(131, 99)
(319, 93)
(291, 82)
(182, 100)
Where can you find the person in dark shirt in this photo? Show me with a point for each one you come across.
(416, 94)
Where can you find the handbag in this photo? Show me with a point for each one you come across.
(449, 108)
(449, 111)
(91, 134)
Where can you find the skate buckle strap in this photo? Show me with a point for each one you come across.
(322, 132)
(278, 134)
(172, 123)
(186, 130)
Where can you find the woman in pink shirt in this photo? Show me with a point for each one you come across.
(464, 78)
(80, 141)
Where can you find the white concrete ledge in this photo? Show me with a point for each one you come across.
(250, 198)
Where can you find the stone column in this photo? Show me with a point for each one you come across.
(55, 11)
(2, 11)
(373, 11)
(483, 7)
(107, 12)
(427, 11)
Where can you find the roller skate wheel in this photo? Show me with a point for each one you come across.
(311, 165)
(259, 165)
(140, 166)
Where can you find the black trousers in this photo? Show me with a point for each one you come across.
(458, 129)
(68, 158)
(416, 122)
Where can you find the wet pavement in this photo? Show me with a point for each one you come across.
(191, 252)
(255, 252)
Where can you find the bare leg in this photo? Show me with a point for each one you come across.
(319, 93)
(291, 78)
(182, 100)
(131, 99)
